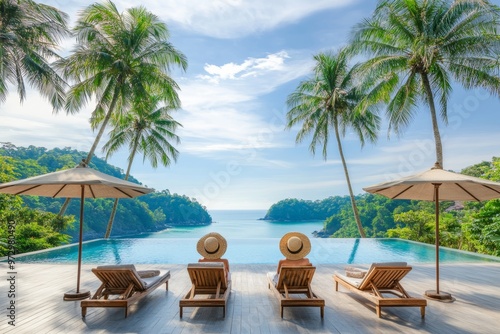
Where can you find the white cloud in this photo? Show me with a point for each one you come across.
(237, 18)
(222, 111)
(34, 123)
(251, 67)
(221, 107)
(219, 18)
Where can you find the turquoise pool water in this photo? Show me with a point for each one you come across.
(249, 241)
(248, 251)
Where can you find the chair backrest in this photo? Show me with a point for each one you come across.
(384, 275)
(119, 276)
(207, 275)
(297, 277)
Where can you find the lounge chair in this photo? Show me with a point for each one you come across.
(207, 279)
(125, 282)
(293, 288)
(379, 280)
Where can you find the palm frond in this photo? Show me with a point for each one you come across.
(401, 109)
(30, 34)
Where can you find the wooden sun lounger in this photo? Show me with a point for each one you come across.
(125, 282)
(293, 288)
(381, 279)
(207, 279)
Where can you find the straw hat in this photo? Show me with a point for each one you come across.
(212, 246)
(295, 245)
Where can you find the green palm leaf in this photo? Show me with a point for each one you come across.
(332, 99)
(427, 44)
(29, 35)
(120, 59)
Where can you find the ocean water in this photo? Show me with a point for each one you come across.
(250, 241)
(241, 224)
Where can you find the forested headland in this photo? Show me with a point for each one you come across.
(38, 225)
(470, 226)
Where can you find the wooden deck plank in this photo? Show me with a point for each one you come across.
(252, 307)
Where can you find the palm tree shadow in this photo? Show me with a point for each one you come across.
(354, 250)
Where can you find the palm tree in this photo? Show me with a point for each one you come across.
(424, 45)
(29, 36)
(331, 100)
(146, 131)
(120, 59)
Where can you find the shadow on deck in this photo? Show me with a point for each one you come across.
(252, 307)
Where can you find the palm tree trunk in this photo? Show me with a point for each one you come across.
(94, 145)
(115, 204)
(353, 200)
(111, 219)
(435, 126)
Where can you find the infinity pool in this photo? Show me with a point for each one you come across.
(250, 251)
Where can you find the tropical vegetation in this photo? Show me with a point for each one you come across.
(29, 36)
(292, 209)
(471, 226)
(146, 129)
(38, 226)
(331, 100)
(417, 48)
(34, 229)
(412, 51)
(120, 60)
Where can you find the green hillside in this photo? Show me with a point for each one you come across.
(36, 217)
(471, 226)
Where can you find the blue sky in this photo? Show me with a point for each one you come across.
(245, 57)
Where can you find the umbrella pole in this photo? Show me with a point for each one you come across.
(436, 208)
(436, 294)
(80, 240)
(78, 295)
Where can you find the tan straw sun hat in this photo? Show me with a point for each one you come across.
(295, 245)
(212, 246)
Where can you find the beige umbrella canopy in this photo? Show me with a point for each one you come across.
(434, 185)
(79, 182)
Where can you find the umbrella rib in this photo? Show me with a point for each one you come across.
(401, 192)
(492, 189)
(92, 191)
(458, 185)
(57, 193)
(129, 196)
(23, 191)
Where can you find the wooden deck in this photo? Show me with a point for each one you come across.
(252, 307)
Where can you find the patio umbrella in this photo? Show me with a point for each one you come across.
(434, 185)
(79, 182)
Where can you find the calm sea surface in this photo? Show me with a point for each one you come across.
(241, 224)
(250, 240)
